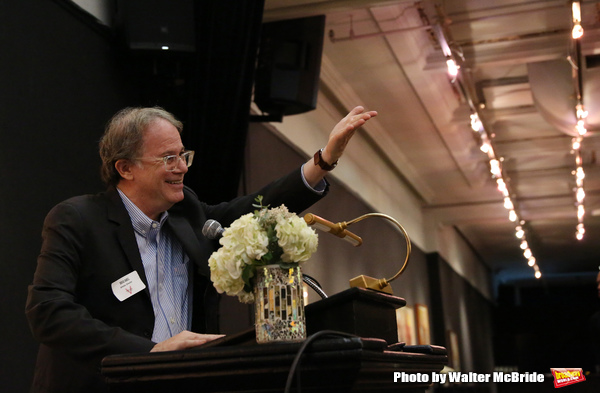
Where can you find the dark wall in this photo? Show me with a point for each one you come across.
(60, 84)
(459, 308)
(540, 326)
(63, 76)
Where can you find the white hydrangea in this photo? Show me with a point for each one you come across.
(246, 238)
(245, 242)
(223, 281)
(297, 240)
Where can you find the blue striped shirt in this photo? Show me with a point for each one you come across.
(167, 268)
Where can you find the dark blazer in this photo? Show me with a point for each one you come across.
(88, 243)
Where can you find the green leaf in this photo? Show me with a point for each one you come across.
(248, 272)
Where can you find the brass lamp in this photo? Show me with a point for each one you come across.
(339, 230)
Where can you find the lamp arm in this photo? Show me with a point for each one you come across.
(339, 229)
(385, 282)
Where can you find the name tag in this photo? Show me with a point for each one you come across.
(127, 286)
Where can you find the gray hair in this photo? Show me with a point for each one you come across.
(124, 137)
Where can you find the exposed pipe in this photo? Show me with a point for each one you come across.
(352, 36)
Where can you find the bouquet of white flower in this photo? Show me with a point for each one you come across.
(266, 237)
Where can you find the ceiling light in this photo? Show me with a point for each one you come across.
(452, 67)
(576, 10)
(577, 29)
(495, 167)
(527, 253)
(520, 232)
(581, 112)
(580, 212)
(508, 205)
(531, 261)
(580, 127)
(512, 216)
(476, 124)
(502, 186)
(580, 194)
(580, 231)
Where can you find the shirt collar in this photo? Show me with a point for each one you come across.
(142, 224)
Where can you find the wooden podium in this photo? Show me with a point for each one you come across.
(335, 362)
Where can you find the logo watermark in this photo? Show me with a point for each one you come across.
(562, 377)
(567, 376)
(469, 377)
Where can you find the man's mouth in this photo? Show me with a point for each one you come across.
(175, 181)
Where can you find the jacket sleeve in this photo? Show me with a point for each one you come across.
(289, 190)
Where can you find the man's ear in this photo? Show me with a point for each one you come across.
(124, 167)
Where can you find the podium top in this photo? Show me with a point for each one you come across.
(328, 364)
(359, 294)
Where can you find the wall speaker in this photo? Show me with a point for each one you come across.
(156, 25)
(289, 65)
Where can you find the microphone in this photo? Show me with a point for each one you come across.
(212, 229)
(338, 229)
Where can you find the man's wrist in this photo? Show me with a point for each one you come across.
(322, 163)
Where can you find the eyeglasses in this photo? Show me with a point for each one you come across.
(172, 161)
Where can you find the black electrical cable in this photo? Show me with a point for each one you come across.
(294, 369)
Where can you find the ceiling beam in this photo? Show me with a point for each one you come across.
(280, 10)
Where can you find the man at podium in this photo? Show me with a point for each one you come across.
(126, 270)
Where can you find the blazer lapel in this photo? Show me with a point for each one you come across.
(125, 234)
(191, 244)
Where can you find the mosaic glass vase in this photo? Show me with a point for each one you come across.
(279, 305)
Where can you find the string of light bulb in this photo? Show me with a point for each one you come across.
(486, 145)
(581, 114)
(503, 186)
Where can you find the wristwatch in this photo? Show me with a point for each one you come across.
(320, 162)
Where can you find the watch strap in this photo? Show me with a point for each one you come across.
(318, 158)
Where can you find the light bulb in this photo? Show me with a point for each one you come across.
(581, 112)
(502, 186)
(508, 205)
(495, 167)
(452, 67)
(580, 194)
(576, 11)
(577, 31)
(580, 212)
(476, 124)
(520, 232)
